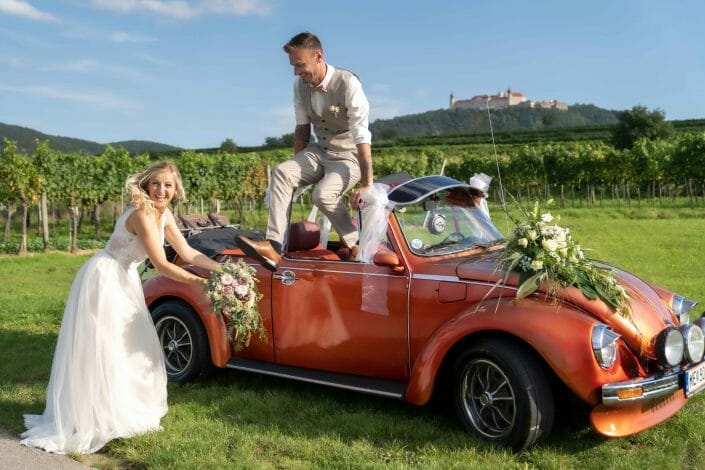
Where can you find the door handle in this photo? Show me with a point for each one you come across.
(287, 277)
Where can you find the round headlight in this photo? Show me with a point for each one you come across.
(604, 345)
(694, 342)
(670, 347)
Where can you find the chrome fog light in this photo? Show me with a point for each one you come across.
(604, 345)
(694, 342)
(670, 346)
(682, 307)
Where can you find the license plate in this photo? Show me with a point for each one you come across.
(695, 379)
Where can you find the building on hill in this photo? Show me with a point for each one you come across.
(504, 99)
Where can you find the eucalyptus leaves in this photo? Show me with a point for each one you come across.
(543, 252)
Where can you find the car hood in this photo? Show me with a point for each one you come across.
(648, 312)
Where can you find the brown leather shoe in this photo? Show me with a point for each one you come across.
(262, 251)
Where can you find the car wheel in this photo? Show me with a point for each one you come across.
(501, 394)
(183, 340)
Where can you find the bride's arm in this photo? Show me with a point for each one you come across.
(186, 252)
(142, 224)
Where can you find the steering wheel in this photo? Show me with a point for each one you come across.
(453, 237)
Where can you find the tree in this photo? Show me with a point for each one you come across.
(286, 140)
(45, 161)
(639, 123)
(228, 146)
(21, 181)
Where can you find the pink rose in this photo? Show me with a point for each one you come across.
(226, 279)
(241, 291)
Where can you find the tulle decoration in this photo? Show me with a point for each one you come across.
(375, 209)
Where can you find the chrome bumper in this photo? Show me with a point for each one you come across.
(651, 387)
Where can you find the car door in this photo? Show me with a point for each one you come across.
(337, 316)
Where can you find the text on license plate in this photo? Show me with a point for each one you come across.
(695, 379)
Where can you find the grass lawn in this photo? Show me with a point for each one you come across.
(239, 420)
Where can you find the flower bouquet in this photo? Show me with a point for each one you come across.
(233, 293)
(543, 252)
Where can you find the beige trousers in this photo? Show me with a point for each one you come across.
(333, 175)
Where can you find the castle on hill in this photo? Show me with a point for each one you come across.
(504, 99)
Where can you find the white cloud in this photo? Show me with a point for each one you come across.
(121, 36)
(94, 67)
(185, 10)
(25, 10)
(152, 59)
(237, 7)
(97, 100)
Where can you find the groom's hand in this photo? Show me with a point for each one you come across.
(356, 197)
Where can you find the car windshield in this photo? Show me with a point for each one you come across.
(446, 222)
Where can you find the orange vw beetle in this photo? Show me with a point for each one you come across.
(429, 307)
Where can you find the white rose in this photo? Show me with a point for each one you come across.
(536, 265)
(546, 217)
(523, 242)
(549, 245)
(532, 235)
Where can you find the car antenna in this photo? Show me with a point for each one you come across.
(496, 159)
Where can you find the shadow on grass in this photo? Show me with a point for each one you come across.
(267, 405)
(294, 408)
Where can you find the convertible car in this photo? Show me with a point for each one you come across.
(431, 307)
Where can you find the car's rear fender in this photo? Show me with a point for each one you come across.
(159, 290)
(561, 336)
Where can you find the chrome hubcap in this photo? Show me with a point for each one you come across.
(176, 342)
(488, 398)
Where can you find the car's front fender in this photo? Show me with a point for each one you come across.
(560, 335)
(160, 288)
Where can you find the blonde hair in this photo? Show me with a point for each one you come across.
(137, 186)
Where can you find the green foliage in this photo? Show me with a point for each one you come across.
(544, 253)
(639, 123)
(27, 139)
(443, 122)
(285, 141)
(228, 146)
(20, 179)
(59, 243)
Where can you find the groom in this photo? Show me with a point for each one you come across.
(333, 101)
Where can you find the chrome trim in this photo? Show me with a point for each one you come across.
(654, 387)
(435, 277)
(316, 381)
(335, 271)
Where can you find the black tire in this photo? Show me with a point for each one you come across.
(501, 394)
(183, 340)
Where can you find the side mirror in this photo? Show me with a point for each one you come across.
(386, 257)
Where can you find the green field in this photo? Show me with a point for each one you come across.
(238, 420)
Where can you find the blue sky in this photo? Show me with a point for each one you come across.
(193, 73)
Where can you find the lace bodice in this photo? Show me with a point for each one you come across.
(125, 247)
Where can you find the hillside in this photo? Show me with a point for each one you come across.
(470, 121)
(26, 137)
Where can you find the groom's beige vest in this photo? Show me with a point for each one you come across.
(332, 128)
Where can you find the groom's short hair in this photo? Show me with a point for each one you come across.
(308, 40)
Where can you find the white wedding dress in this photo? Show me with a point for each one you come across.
(108, 378)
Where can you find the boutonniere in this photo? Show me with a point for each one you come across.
(335, 109)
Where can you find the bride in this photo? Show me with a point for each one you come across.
(108, 378)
